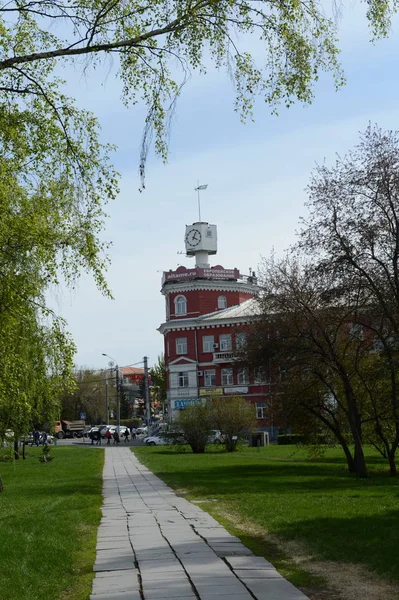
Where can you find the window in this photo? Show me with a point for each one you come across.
(180, 305)
(260, 376)
(243, 376)
(209, 233)
(225, 342)
(182, 380)
(356, 331)
(210, 378)
(260, 410)
(208, 343)
(222, 302)
(181, 346)
(241, 338)
(227, 376)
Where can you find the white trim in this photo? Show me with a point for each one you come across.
(214, 285)
(182, 357)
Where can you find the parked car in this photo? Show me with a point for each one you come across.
(102, 429)
(122, 430)
(86, 431)
(141, 430)
(157, 440)
(215, 437)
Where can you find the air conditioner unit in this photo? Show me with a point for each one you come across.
(215, 346)
(200, 373)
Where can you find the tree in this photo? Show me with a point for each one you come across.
(158, 380)
(353, 232)
(234, 417)
(302, 338)
(88, 396)
(193, 426)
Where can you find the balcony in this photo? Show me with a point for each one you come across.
(183, 392)
(223, 357)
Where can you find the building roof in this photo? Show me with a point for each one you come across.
(249, 308)
(131, 371)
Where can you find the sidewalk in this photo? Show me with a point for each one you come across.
(153, 545)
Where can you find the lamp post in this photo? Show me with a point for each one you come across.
(118, 403)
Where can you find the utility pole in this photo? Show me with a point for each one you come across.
(147, 393)
(106, 398)
(118, 398)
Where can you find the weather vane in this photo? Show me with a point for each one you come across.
(198, 189)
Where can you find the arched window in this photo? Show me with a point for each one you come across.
(222, 302)
(180, 305)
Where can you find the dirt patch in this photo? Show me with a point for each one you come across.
(342, 581)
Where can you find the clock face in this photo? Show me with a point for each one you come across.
(193, 237)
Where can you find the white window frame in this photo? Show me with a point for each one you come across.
(207, 344)
(243, 376)
(260, 409)
(181, 345)
(241, 339)
(227, 377)
(179, 301)
(182, 379)
(260, 376)
(222, 302)
(225, 342)
(210, 378)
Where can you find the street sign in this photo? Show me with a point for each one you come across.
(83, 416)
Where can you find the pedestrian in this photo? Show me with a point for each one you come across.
(43, 439)
(97, 437)
(116, 437)
(134, 430)
(36, 437)
(91, 436)
(126, 435)
(108, 437)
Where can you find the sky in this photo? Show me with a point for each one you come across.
(256, 173)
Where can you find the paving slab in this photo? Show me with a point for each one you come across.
(153, 545)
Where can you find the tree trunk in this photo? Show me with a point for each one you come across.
(392, 465)
(360, 462)
(16, 451)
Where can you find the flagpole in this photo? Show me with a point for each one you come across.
(199, 202)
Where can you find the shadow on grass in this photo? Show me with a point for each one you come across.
(368, 540)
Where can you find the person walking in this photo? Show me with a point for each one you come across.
(97, 437)
(116, 437)
(126, 435)
(36, 437)
(134, 430)
(108, 437)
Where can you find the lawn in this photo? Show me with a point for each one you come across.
(49, 514)
(280, 495)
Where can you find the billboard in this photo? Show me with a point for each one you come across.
(201, 273)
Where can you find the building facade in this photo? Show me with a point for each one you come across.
(207, 312)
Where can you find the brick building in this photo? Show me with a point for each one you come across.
(207, 312)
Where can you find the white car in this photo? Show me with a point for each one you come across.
(141, 430)
(156, 440)
(122, 430)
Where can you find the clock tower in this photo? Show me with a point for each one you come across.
(201, 241)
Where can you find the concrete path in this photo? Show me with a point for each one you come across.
(153, 545)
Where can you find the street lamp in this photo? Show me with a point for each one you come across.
(118, 404)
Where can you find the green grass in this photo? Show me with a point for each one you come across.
(49, 514)
(285, 493)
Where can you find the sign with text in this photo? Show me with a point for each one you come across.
(186, 402)
(211, 391)
(236, 390)
(200, 273)
(83, 416)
